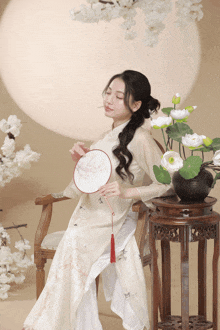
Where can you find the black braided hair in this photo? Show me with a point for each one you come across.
(138, 88)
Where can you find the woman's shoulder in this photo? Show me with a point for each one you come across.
(142, 134)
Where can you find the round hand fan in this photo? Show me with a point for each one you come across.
(92, 171)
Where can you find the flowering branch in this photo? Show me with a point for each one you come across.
(12, 162)
(155, 13)
(12, 264)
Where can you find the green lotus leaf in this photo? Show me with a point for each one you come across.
(167, 110)
(216, 144)
(178, 130)
(182, 120)
(204, 149)
(162, 176)
(191, 167)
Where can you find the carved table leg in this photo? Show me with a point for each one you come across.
(202, 250)
(215, 279)
(154, 282)
(185, 277)
(166, 278)
(40, 275)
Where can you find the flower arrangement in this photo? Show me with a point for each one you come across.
(12, 162)
(177, 130)
(155, 12)
(12, 264)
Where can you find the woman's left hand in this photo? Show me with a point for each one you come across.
(112, 189)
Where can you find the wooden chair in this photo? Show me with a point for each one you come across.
(42, 253)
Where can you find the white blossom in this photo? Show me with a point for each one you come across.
(12, 125)
(19, 279)
(172, 161)
(130, 35)
(179, 114)
(12, 265)
(193, 140)
(188, 11)
(7, 278)
(155, 12)
(216, 158)
(3, 291)
(22, 245)
(161, 122)
(4, 125)
(11, 162)
(8, 147)
(3, 269)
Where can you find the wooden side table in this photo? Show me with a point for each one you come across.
(184, 223)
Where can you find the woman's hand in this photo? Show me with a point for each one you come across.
(112, 189)
(115, 189)
(78, 150)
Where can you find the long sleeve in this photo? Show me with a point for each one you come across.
(72, 191)
(146, 153)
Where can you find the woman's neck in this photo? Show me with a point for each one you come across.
(118, 123)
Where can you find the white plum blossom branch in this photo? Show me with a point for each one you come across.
(12, 264)
(155, 12)
(12, 162)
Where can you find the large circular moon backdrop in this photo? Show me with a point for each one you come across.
(55, 69)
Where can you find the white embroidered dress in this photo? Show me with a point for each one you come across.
(68, 300)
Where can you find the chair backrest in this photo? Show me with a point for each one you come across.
(160, 146)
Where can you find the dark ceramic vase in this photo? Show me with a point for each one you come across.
(193, 190)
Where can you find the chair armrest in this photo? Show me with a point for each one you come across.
(49, 199)
(139, 207)
(44, 223)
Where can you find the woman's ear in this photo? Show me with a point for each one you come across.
(136, 106)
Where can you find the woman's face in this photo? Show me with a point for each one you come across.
(114, 105)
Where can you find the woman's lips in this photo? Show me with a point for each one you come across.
(107, 109)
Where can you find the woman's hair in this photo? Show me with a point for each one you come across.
(138, 87)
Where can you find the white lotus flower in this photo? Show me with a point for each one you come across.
(179, 114)
(172, 161)
(161, 122)
(193, 140)
(216, 158)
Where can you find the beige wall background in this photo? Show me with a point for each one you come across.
(53, 171)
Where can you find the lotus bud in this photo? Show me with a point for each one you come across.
(176, 98)
(207, 141)
(191, 108)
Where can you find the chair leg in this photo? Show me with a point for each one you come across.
(40, 275)
(97, 285)
(159, 292)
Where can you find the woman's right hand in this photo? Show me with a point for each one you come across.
(78, 150)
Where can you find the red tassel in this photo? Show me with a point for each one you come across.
(112, 258)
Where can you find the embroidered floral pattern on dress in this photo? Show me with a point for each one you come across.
(122, 255)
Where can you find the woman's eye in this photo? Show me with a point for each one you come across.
(120, 98)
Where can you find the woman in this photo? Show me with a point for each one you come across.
(69, 300)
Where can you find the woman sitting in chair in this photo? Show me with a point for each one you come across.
(68, 300)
